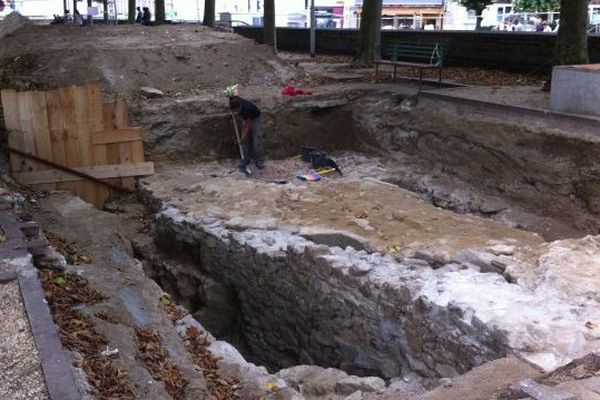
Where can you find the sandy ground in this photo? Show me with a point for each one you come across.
(386, 217)
(21, 377)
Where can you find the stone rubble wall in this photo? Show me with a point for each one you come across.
(369, 314)
(313, 304)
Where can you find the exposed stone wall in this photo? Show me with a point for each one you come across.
(304, 303)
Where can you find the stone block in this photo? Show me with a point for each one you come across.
(576, 89)
(30, 229)
(592, 384)
(353, 384)
(538, 391)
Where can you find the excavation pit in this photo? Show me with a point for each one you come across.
(355, 272)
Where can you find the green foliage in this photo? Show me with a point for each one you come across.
(165, 301)
(537, 5)
(60, 280)
(476, 5)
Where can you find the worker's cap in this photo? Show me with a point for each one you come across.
(231, 91)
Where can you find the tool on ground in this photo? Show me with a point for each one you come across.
(309, 177)
(325, 171)
(318, 159)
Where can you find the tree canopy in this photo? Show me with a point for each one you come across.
(537, 5)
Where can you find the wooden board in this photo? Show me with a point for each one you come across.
(70, 134)
(112, 150)
(96, 114)
(10, 105)
(84, 136)
(97, 171)
(122, 121)
(40, 126)
(121, 135)
(74, 128)
(55, 125)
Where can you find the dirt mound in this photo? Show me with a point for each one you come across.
(11, 23)
(173, 58)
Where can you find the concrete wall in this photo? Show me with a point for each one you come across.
(522, 51)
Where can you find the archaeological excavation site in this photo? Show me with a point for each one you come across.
(402, 240)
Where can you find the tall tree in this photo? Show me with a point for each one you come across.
(209, 13)
(369, 38)
(131, 11)
(105, 10)
(572, 40)
(159, 12)
(536, 5)
(478, 6)
(269, 30)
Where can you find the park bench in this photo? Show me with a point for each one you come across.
(413, 55)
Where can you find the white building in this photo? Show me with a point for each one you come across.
(457, 17)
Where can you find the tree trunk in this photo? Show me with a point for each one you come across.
(131, 14)
(105, 8)
(159, 12)
(369, 39)
(90, 19)
(572, 40)
(478, 23)
(209, 13)
(269, 33)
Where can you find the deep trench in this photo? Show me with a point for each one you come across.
(182, 266)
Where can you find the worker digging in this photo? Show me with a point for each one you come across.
(251, 139)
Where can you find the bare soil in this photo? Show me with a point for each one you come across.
(173, 58)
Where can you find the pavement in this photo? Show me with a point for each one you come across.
(21, 376)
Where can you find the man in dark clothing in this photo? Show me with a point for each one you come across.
(139, 16)
(252, 133)
(147, 16)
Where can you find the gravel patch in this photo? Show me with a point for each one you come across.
(21, 376)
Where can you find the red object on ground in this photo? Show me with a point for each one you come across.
(290, 90)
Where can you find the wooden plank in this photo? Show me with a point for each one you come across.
(122, 121)
(70, 134)
(56, 127)
(97, 171)
(28, 134)
(121, 113)
(108, 111)
(121, 135)
(10, 105)
(84, 136)
(96, 113)
(41, 127)
(112, 150)
(137, 151)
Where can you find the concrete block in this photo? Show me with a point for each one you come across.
(576, 89)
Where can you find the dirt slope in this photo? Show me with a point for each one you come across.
(173, 58)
